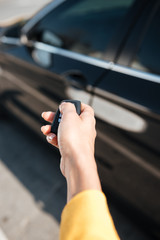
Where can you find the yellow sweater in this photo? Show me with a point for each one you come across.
(87, 217)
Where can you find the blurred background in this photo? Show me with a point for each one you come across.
(15, 9)
(32, 190)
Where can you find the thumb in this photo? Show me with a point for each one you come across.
(67, 107)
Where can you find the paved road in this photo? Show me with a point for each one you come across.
(10, 9)
(32, 190)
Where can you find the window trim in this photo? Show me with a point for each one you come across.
(116, 40)
(41, 14)
(108, 65)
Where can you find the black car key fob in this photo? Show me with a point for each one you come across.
(57, 118)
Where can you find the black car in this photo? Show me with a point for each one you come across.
(107, 54)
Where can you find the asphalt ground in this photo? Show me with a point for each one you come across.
(15, 9)
(32, 189)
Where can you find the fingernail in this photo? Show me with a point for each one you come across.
(42, 114)
(60, 106)
(50, 137)
(42, 128)
(48, 114)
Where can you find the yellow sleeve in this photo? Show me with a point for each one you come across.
(87, 217)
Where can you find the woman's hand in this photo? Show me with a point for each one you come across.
(76, 139)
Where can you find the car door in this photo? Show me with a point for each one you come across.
(62, 55)
(127, 106)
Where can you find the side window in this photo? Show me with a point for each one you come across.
(83, 26)
(148, 56)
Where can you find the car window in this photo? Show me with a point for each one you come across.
(147, 57)
(83, 26)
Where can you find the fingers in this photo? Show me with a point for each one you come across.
(67, 107)
(52, 139)
(86, 108)
(46, 129)
(87, 113)
(48, 116)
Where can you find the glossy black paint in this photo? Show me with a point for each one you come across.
(127, 110)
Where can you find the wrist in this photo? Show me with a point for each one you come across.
(81, 174)
(81, 161)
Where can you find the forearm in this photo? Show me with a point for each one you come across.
(81, 174)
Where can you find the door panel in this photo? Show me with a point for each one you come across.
(128, 139)
(127, 107)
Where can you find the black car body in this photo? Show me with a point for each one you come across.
(106, 54)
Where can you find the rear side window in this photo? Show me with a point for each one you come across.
(148, 55)
(83, 26)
